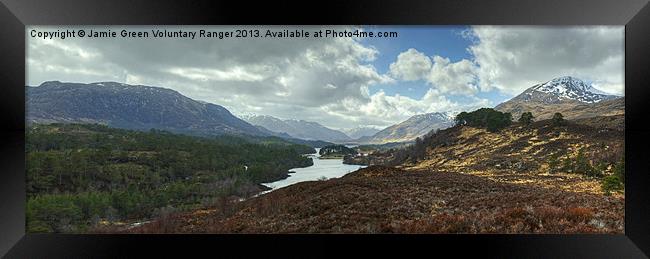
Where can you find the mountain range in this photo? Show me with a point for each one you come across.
(144, 107)
(568, 95)
(297, 128)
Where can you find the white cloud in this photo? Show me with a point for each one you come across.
(233, 74)
(442, 74)
(456, 78)
(411, 65)
(513, 58)
(384, 110)
(279, 77)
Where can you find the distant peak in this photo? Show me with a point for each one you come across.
(568, 87)
(563, 84)
(566, 78)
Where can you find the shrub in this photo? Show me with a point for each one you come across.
(611, 183)
(553, 162)
(558, 119)
(580, 164)
(526, 118)
(619, 170)
(616, 181)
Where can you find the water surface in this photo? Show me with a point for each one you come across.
(322, 168)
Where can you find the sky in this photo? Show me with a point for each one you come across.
(342, 82)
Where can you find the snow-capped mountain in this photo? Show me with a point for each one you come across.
(568, 88)
(414, 127)
(561, 94)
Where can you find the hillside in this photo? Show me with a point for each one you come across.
(131, 107)
(297, 128)
(539, 150)
(521, 179)
(410, 129)
(81, 176)
(387, 200)
(567, 95)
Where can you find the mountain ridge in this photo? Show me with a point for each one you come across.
(296, 128)
(128, 106)
(415, 126)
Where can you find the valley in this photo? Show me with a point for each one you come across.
(468, 180)
(103, 156)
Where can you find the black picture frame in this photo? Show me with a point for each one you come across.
(635, 15)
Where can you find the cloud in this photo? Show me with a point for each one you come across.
(279, 77)
(411, 65)
(48, 59)
(457, 78)
(439, 72)
(513, 58)
(233, 74)
(328, 80)
(384, 110)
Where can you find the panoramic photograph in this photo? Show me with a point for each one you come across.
(325, 129)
